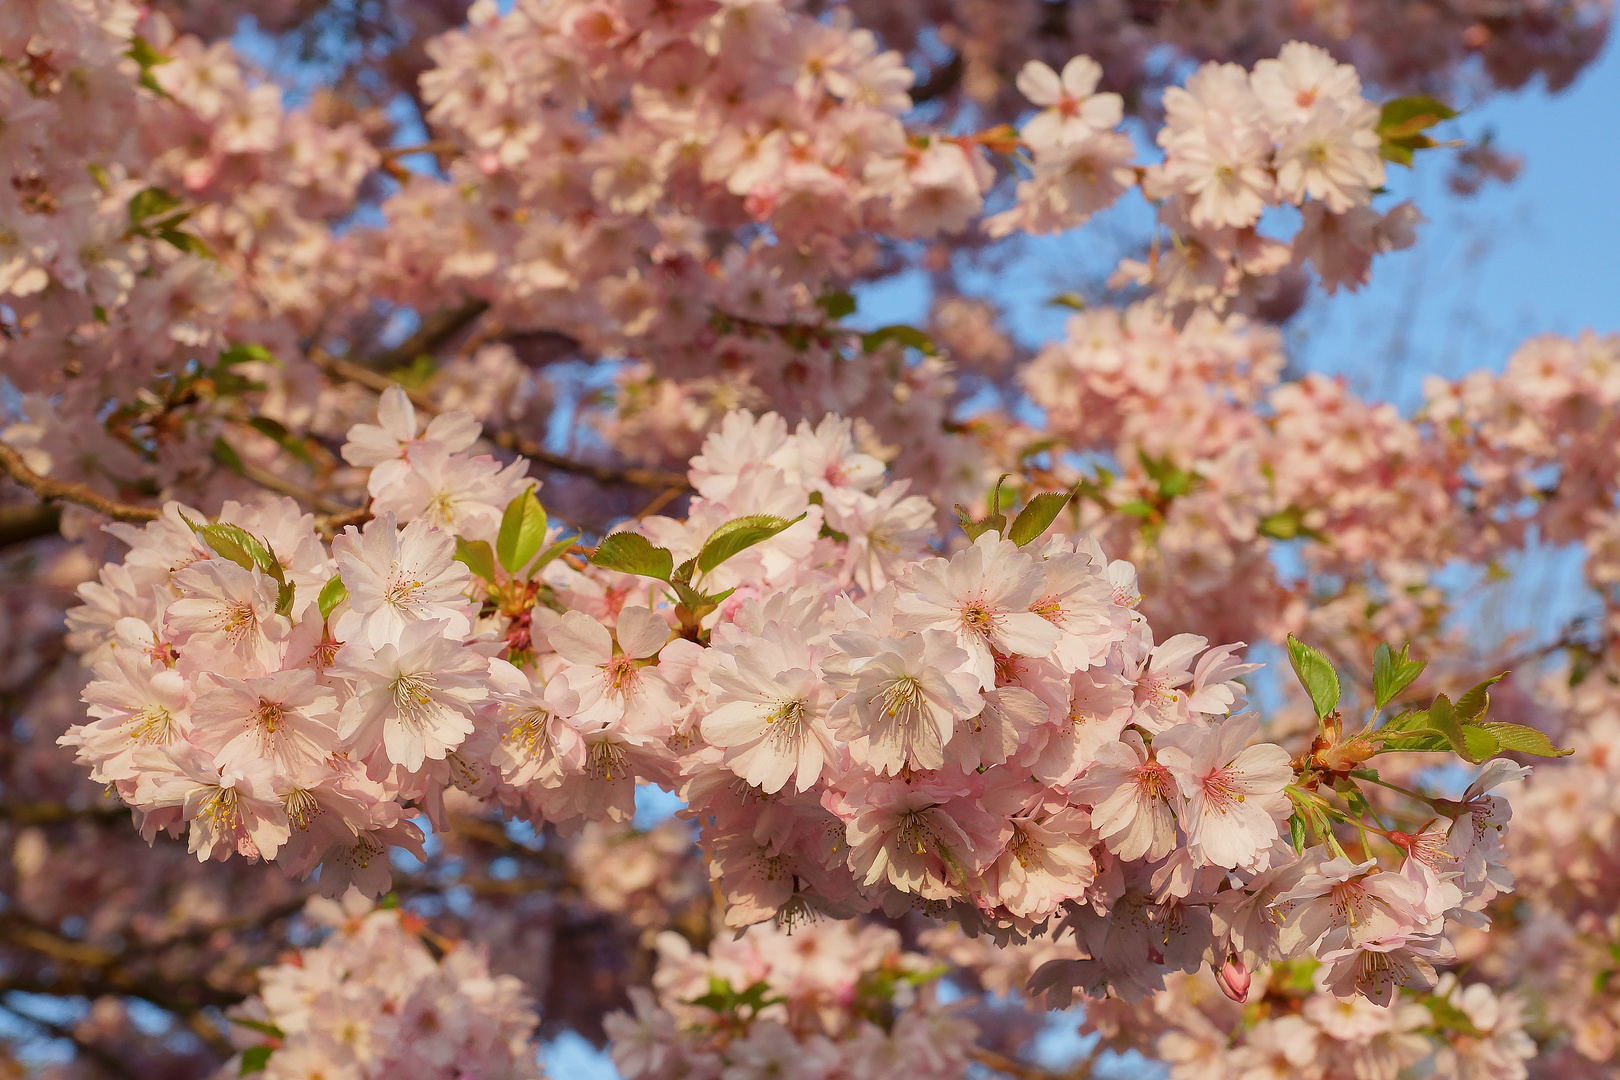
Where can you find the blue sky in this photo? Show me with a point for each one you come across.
(1541, 254)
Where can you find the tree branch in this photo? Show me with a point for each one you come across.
(52, 813)
(436, 329)
(47, 490)
(22, 522)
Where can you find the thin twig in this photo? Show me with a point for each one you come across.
(267, 479)
(47, 490)
(349, 371)
(329, 525)
(437, 146)
(661, 500)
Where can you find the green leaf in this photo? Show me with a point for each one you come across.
(906, 335)
(553, 553)
(241, 354)
(1136, 508)
(255, 1058)
(1476, 699)
(1442, 731)
(283, 438)
(995, 519)
(1296, 833)
(1409, 720)
(477, 557)
(242, 548)
(1392, 673)
(1443, 718)
(1072, 301)
(1523, 740)
(141, 51)
(738, 535)
(630, 553)
(191, 245)
(1448, 1018)
(1410, 115)
(333, 593)
(1316, 674)
(1402, 122)
(149, 203)
(523, 530)
(1037, 516)
(836, 304)
(1286, 524)
(224, 453)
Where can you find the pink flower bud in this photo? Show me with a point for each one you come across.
(1234, 979)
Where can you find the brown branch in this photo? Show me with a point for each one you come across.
(48, 490)
(53, 813)
(661, 500)
(602, 474)
(329, 525)
(437, 328)
(22, 522)
(437, 146)
(348, 371)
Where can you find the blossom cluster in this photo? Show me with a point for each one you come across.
(1294, 131)
(829, 1000)
(372, 1001)
(856, 723)
(157, 200)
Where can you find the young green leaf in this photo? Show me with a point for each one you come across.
(244, 549)
(226, 455)
(1410, 720)
(905, 335)
(1392, 673)
(1296, 832)
(630, 553)
(255, 1058)
(1316, 675)
(1403, 121)
(523, 530)
(1471, 707)
(243, 353)
(836, 304)
(333, 593)
(553, 553)
(1037, 516)
(739, 534)
(1443, 731)
(1523, 740)
(283, 438)
(477, 556)
(149, 203)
